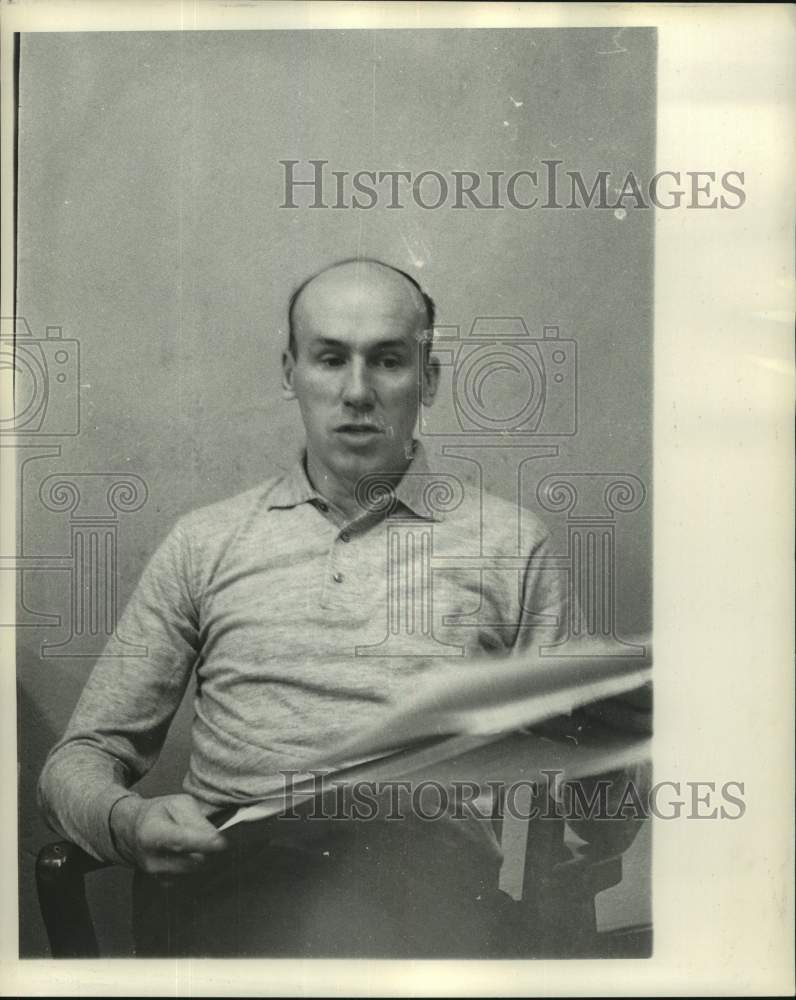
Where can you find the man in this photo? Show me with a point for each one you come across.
(276, 601)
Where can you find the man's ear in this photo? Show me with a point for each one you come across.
(430, 381)
(288, 368)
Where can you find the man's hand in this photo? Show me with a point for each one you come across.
(167, 835)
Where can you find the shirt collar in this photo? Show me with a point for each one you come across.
(410, 489)
(413, 486)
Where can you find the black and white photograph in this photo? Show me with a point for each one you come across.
(341, 575)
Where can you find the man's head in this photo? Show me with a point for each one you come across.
(358, 363)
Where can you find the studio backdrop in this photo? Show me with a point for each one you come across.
(173, 189)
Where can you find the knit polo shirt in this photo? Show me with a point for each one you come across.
(301, 627)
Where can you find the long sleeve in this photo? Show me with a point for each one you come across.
(120, 722)
(544, 601)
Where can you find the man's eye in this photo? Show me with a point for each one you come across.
(390, 361)
(331, 360)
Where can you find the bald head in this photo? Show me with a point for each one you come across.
(356, 368)
(358, 288)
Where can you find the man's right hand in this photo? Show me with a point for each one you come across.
(167, 835)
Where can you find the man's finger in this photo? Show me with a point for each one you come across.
(179, 839)
(185, 810)
(188, 827)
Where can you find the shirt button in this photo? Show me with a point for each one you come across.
(323, 506)
(345, 536)
(338, 577)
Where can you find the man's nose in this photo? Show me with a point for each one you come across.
(357, 389)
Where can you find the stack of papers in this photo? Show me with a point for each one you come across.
(470, 723)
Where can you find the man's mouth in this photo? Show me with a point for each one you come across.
(358, 433)
(359, 429)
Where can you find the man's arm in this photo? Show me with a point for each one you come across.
(544, 612)
(118, 727)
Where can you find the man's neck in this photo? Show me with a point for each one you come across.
(340, 491)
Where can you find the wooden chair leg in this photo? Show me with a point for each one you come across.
(60, 871)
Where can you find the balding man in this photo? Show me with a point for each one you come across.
(275, 600)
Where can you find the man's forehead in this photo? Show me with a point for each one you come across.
(362, 338)
(360, 293)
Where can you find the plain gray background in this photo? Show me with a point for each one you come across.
(149, 230)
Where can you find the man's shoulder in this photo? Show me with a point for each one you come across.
(229, 513)
(497, 521)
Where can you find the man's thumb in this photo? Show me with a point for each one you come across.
(196, 832)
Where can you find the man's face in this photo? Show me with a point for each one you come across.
(358, 373)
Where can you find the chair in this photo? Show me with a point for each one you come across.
(60, 871)
(556, 915)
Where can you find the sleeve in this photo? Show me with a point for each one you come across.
(544, 600)
(120, 722)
